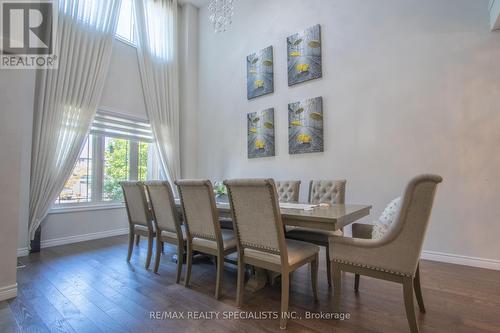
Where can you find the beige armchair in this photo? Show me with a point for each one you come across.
(261, 240)
(394, 257)
(288, 190)
(139, 217)
(203, 232)
(321, 191)
(166, 219)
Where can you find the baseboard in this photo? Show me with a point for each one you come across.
(22, 252)
(461, 260)
(82, 238)
(8, 292)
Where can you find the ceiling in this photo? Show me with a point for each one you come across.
(197, 3)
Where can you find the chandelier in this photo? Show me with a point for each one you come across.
(221, 13)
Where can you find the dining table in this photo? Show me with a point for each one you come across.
(328, 217)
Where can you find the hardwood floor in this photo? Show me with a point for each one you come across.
(89, 287)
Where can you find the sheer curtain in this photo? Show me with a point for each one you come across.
(66, 98)
(157, 53)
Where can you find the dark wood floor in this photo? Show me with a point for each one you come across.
(89, 287)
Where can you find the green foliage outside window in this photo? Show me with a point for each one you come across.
(116, 168)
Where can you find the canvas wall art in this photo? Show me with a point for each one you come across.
(305, 126)
(260, 77)
(260, 129)
(304, 55)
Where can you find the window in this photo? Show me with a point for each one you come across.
(118, 148)
(125, 29)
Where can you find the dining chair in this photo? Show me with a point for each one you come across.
(395, 256)
(203, 232)
(288, 190)
(321, 191)
(166, 220)
(139, 216)
(261, 240)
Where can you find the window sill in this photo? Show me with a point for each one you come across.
(85, 207)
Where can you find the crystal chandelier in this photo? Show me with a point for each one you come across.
(221, 13)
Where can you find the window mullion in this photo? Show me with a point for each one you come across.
(98, 168)
(134, 160)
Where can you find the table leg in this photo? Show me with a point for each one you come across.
(257, 281)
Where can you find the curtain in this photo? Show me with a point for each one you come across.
(66, 98)
(157, 53)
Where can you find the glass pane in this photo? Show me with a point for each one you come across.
(143, 172)
(125, 27)
(116, 167)
(78, 187)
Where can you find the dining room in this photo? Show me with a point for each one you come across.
(249, 165)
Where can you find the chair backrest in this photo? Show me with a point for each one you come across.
(288, 190)
(406, 236)
(136, 202)
(256, 215)
(327, 191)
(200, 211)
(161, 199)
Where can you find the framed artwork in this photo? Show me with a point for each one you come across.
(260, 133)
(305, 126)
(304, 55)
(260, 76)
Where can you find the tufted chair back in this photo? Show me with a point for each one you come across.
(327, 191)
(288, 190)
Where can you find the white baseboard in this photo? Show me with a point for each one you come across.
(22, 252)
(8, 292)
(461, 260)
(82, 238)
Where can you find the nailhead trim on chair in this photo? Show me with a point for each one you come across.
(246, 244)
(345, 262)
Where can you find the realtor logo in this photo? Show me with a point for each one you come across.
(28, 32)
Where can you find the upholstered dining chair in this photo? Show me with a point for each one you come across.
(321, 191)
(139, 216)
(288, 190)
(395, 256)
(261, 240)
(166, 220)
(203, 232)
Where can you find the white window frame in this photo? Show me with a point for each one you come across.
(97, 175)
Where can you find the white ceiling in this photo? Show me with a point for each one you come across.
(197, 3)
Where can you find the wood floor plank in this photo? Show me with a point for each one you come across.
(89, 287)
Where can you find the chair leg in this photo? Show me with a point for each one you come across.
(409, 306)
(328, 266)
(157, 254)
(130, 244)
(162, 247)
(137, 239)
(336, 288)
(314, 276)
(285, 292)
(240, 282)
(220, 273)
(189, 259)
(356, 282)
(418, 290)
(180, 249)
(150, 250)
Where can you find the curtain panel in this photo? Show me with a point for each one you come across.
(66, 98)
(158, 63)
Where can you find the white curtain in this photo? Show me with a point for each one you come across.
(157, 53)
(66, 98)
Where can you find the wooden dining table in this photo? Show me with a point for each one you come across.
(321, 217)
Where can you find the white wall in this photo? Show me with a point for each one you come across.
(408, 87)
(16, 96)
